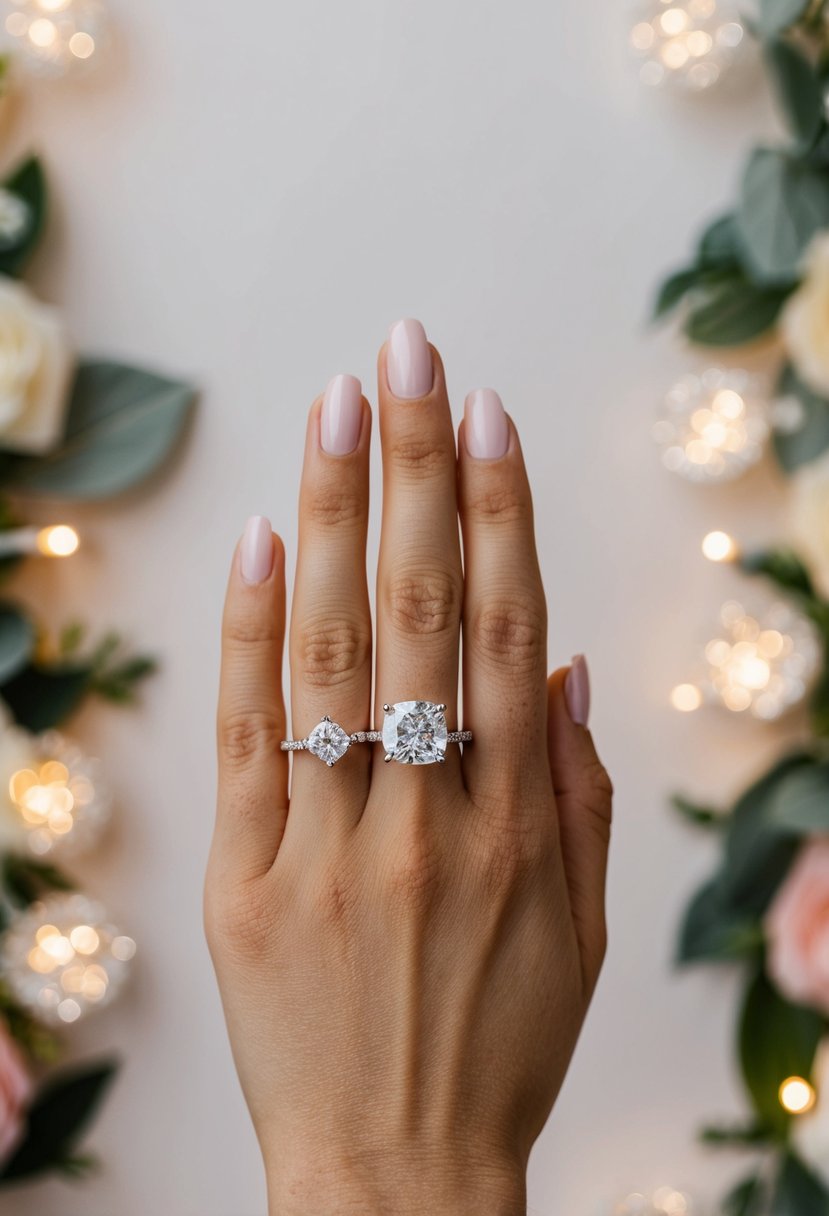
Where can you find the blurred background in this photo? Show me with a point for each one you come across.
(250, 194)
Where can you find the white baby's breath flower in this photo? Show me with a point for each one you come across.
(35, 365)
(804, 322)
(15, 217)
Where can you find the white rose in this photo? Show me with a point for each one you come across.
(35, 365)
(809, 518)
(804, 322)
(810, 1132)
(17, 750)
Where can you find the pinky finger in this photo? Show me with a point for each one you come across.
(253, 771)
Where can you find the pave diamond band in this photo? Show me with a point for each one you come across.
(414, 732)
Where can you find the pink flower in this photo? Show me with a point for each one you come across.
(15, 1092)
(797, 927)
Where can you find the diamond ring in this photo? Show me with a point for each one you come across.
(414, 732)
(327, 740)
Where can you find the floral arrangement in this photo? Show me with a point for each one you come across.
(761, 272)
(74, 430)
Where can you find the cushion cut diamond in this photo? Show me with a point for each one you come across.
(328, 741)
(414, 732)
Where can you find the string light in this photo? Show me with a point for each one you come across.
(713, 426)
(687, 43)
(719, 547)
(63, 801)
(797, 1096)
(57, 540)
(666, 1201)
(58, 36)
(62, 958)
(686, 698)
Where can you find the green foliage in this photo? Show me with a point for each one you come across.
(777, 1040)
(41, 1044)
(17, 639)
(797, 1192)
(25, 880)
(795, 448)
(783, 567)
(122, 424)
(57, 1119)
(41, 697)
(783, 205)
(799, 90)
(749, 1136)
(775, 16)
(702, 816)
(730, 310)
(747, 1199)
(29, 185)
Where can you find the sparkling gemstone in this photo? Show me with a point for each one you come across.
(328, 741)
(414, 732)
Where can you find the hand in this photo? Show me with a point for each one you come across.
(405, 953)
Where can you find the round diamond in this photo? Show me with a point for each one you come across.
(414, 732)
(328, 741)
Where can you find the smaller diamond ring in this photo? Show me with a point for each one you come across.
(327, 740)
(414, 732)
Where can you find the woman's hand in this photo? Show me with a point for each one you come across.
(406, 953)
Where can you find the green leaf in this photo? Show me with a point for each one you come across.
(747, 1199)
(798, 88)
(43, 697)
(122, 424)
(715, 930)
(702, 816)
(783, 567)
(24, 880)
(29, 185)
(784, 203)
(800, 802)
(17, 639)
(734, 312)
(720, 243)
(41, 1044)
(775, 16)
(58, 1118)
(811, 438)
(674, 290)
(798, 1192)
(751, 1135)
(819, 704)
(777, 1040)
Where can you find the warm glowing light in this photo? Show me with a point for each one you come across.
(719, 547)
(686, 698)
(713, 425)
(44, 797)
(642, 36)
(84, 939)
(53, 6)
(675, 54)
(796, 1096)
(82, 45)
(17, 24)
(674, 21)
(699, 43)
(123, 948)
(42, 32)
(58, 541)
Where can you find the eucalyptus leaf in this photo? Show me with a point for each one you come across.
(783, 205)
(796, 447)
(800, 802)
(747, 1199)
(775, 16)
(57, 1119)
(122, 424)
(28, 184)
(673, 290)
(783, 567)
(715, 930)
(719, 244)
(797, 1191)
(701, 816)
(752, 1135)
(777, 1040)
(734, 312)
(43, 697)
(799, 90)
(17, 641)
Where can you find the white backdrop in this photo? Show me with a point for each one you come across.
(249, 195)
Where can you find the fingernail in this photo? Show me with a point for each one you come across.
(577, 691)
(342, 415)
(486, 430)
(257, 550)
(409, 360)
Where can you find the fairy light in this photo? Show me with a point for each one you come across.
(58, 36)
(58, 541)
(665, 1201)
(686, 698)
(719, 547)
(62, 958)
(797, 1096)
(689, 44)
(62, 800)
(713, 426)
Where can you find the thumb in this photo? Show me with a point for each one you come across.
(584, 798)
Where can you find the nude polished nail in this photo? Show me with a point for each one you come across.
(257, 550)
(577, 691)
(486, 430)
(342, 416)
(409, 360)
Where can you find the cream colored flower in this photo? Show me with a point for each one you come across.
(35, 364)
(810, 1132)
(17, 750)
(809, 518)
(804, 322)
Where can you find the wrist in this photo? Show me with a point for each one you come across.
(409, 1187)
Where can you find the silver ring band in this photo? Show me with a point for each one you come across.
(414, 732)
(376, 736)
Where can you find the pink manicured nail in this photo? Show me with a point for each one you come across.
(486, 430)
(257, 550)
(342, 415)
(577, 691)
(409, 360)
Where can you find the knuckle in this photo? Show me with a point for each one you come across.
(427, 603)
(510, 852)
(238, 921)
(412, 875)
(499, 503)
(511, 633)
(250, 630)
(418, 456)
(335, 898)
(335, 505)
(248, 736)
(333, 651)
